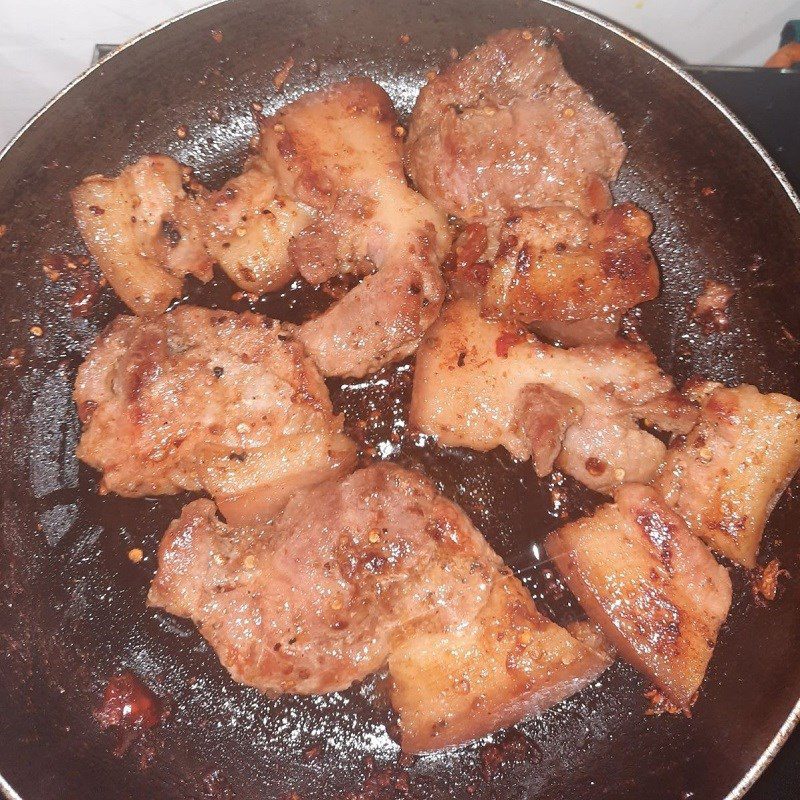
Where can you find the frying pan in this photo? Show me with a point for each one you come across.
(72, 604)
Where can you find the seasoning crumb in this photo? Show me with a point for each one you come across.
(283, 73)
(374, 536)
(453, 53)
(399, 131)
(215, 115)
(36, 330)
(527, 36)
(182, 131)
(135, 555)
(257, 106)
(765, 580)
(707, 191)
(404, 38)
(52, 274)
(279, 128)
(13, 359)
(249, 562)
(217, 35)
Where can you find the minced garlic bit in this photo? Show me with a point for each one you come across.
(404, 38)
(249, 562)
(374, 536)
(527, 36)
(279, 128)
(182, 131)
(569, 112)
(36, 330)
(135, 554)
(619, 474)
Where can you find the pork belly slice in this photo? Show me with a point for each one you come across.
(356, 573)
(509, 664)
(337, 153)
(474, 386)
(143, 230)
(207, 400)
(506, 127)
(248, 228)
(726, 475)
(653, 588)
(555, 264)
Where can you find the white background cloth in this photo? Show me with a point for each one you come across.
(46, 43)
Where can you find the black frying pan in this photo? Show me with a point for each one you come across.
(72, 610)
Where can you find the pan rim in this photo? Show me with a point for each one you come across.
(759, 766)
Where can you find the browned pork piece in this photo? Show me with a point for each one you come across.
(506, 127)
(480, 386)
(655, 590)
(248, 226)
(143, 230)
(337, 152)
(207, 400)
(358, 572)
(554, 264)
(725, 477)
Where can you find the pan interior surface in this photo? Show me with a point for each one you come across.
(72, 604)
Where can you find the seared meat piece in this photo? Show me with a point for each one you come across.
(654, 589)
(336, 152)
(725, 477)
(356, 572)
(142, 228)
(506, 127)
(207, 400)
(248, 227)
(469, 385)
(508, 663)
(555, 264)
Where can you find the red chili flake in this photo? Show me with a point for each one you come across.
(217, 35)
(129, 706)
(505, 341)
(707, 191)
(3, 230)
(283, 73)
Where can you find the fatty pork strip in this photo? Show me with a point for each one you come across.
(143, 230)
(337, 151)
(356, 573)
(726, 475)
(203, 400)
(654, 589)
(506, 127)
(480, 386)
